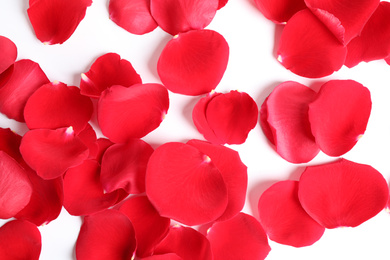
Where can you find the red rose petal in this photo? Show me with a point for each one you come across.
(284, 219)
(15, 89)
(9, 143)
(241, 237)
(125, 113)
(308, 48)
(54, 21)
(339, 115)
(108, 70)
(124, 166)
(20, 239)
(150, 228)
(102, 146)
(284, 120)
(132, 15)
(181, 169)
(51, 152)
(8, 53)
(222, 3)
(194, 62)
(169, 256)
(280, 11)
(177, 16)
(57, 105)
(106, 235)
(88, 137)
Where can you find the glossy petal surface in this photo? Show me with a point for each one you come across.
(8, 53)
(280, 11)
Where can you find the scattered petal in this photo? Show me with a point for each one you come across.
(9, 143)
(279, 11)
(102, 145)
(88, 137)
(8, 53)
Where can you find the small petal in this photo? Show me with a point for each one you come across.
(279, 11)
(8, 53)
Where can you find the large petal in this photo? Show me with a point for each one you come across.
(8, 53)
(194, 62)
(279, 11)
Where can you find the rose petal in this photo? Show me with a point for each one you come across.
(194, 62)
(222, 3)
(88, 137)
(54, 21)
(169, 256)
(125, 113)
(284, 219)
(108, 70)
(342, 193)
(241, 237)
(102, 145)
(9, 143)
(176, 168)
(8, 53)
(279, 11)
(308, 48)
(339, 115)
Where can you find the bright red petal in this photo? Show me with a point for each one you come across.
(9, 143)
(308, 48)
(88, 137)
(185, 185)
(20, 239)
(108, 70)
(194, 62)
(169, 256)
(8, 53)
(280, 11)
(177, 16)
(125, 113)
(284, 120)
(54, 21)
(26, 77)
(339, 115)
(106, 235)
(342, 193)
(102, 146)
(241, 237)
(283, 218)
(222, 3)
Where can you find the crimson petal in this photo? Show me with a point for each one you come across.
(222, 3)
(241, 237)
(9, 143)
(194, 62)
(308, 48)
(284, 219)
(169, 256)
(125, 113)
(88, 137)
(8, 53)
(339, 115)
(279, 11)
(102, 145)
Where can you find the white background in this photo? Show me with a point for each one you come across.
(253, 69)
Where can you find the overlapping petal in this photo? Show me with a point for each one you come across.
(88, 137)
(280, 11)
(8, 53)
(9, 143)
(194, 62)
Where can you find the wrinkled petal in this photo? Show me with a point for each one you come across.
(176, 168)
(106, 235)
(285, 122)
(8, 53)
(194, 62)
(339, 115)
(54, 21)
(241, 237)
(125, 113)
(283, 218)
(308, 48)
(106, 71)
(279, 11)
(342, 193)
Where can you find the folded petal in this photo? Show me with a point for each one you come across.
(241, 237)
(339, 115)
(102, 145)
(88, 137)
(283, 218)
(342, 193)
(8, 53)
(9, 143)
(194, 62)
(125, 113)
(279, 11)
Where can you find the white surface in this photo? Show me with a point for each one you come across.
(253, 69)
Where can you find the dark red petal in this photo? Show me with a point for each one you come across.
(308, 48)
(233, 171)
(20, 239)
(339, 115)
(26, 77)
(54, 21)
(345, 19)
(83, 192)
(280, 11)
(124, 166)
(15, 187)
(185, 185)
(108, 70)
(286, 118)
(132, 15)
(187, 243)
(194, 62)
(283, 218)
(150, 228)
(241, 237)
(57, 105)
(374, 41)
(125, 113)
(177, 16)
(169, 256)
(51, 152)
(8, 53)
(106, 235)
(342, 193)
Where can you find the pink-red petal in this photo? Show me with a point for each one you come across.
(8, 53)
(279, 11)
